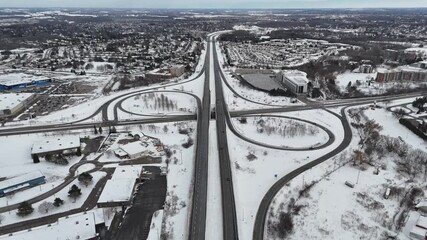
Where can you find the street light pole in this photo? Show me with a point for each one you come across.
(358, 174)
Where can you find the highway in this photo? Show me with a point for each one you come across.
(197, 226)
(230, 226)
(197, 221)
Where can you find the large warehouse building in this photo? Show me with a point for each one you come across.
(13, 81)
(55, 146)
(13, 103)
(21, 182)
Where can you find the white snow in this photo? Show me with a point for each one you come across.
(11, 100)
(78, 226)
(294, 138)
(214, 203)
(55, 144)
(252, 178)
(121, 185)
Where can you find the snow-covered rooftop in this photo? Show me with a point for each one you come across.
(78, 226)
(17, 78)
(134, 148)
(296, 76)
(20, 179)
(11, 100)
(120, 187)
(56, 144)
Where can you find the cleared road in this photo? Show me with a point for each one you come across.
(230, 229)
(198, 211)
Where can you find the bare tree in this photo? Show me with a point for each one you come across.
(45, 206)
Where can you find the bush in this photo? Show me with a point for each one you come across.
(24, 209)
(58, 202)
(189, 143)
(285, 225)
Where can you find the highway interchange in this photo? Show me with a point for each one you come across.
(197, 224)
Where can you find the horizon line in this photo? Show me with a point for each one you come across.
(219, 8)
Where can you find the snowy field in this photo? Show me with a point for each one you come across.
(256, 169)
(281, 132)
(164, 103)
(19, 162)
(69, 203)
(329, 209)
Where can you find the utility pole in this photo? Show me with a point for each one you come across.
(358, 174)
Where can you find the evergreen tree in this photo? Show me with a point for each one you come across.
(24, 209)
(74, 192)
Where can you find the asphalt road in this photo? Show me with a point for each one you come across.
(230, 227)
(197, 226)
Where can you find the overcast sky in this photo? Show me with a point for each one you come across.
(215, 3)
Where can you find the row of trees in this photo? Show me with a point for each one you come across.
(374, 147)
(289, 129)
(25, 208)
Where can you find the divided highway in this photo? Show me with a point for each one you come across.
(200, 184)
(230, 230)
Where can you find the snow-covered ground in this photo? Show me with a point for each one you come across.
(164, 103)
(16, 160)
(332, 210)
(175, 218)
(214, 204)
(156, 226)
(281, 132)
(69, 203)
(252, 177)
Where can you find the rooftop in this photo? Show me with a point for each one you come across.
(20, 179)
(11, 100)
(133, 148)
(56, 144)
(262, 81)
(11, 79)
(296, 76)
(120, 187)
(78, 226)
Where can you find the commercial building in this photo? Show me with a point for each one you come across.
(177, 70)
(415, 72)
(158, 75)
(296, 81)
(119, 189)
(15, 81)
(366, 68)
(21, 182)
(55, 146)
(266, 82)
(133, 150)
(78, 226)
(12, 104)
(419, 230)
